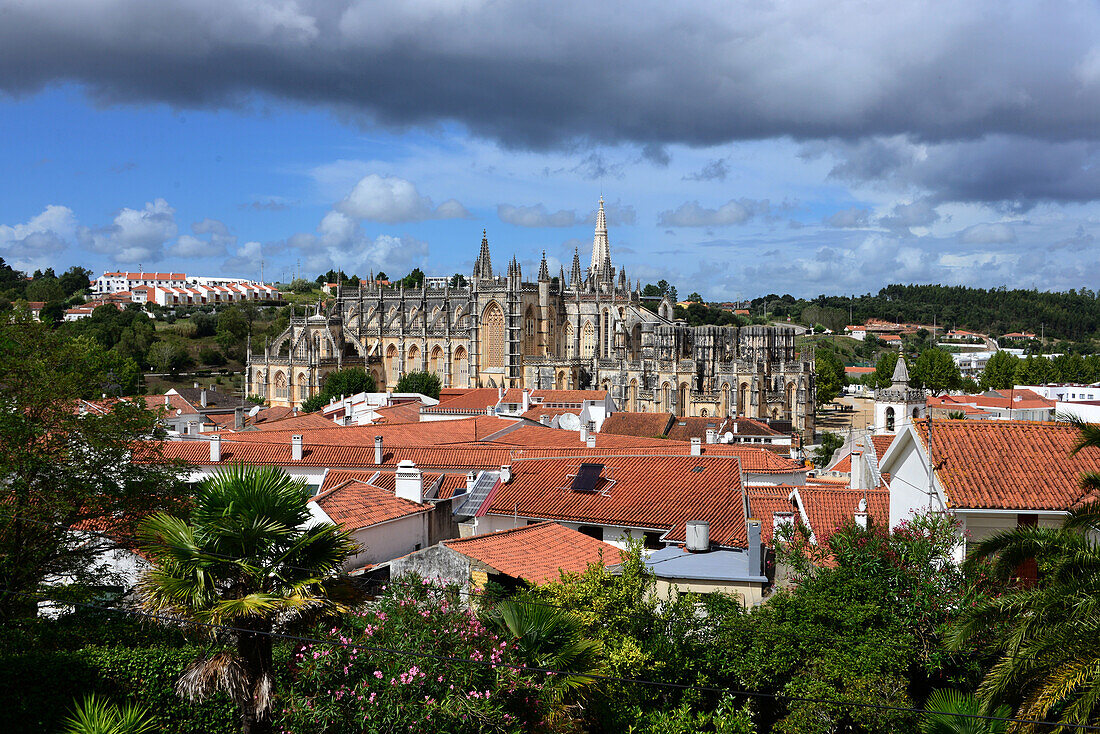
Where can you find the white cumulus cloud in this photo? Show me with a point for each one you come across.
(32, 245)
(390, 199)
(136, 235)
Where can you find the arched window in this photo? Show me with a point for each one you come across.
(725, 400)
(889, 419)
(551, 333)
(916, 414)
(606, 334)
(570, 352)
(588, 340)
(666, 398)
(460, 367)
(436, 364)
(632, 396)
(530, 339)
(703, 413)
(743, 399)
(281, 389)
(391, 363)
(682, 399)
(303, 386)
(561, 381)
(492, 336)
(412, 361)
(790, 399)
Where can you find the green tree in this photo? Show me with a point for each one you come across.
(234, 326)
(75, 280)
(62, 466)
(348, 381)
(830, 376)
(45, 289)
(415, 279)
(301, 285)
(167, 357)
(425, 383)
(53, 312)
(999, 372)
(884, 370)
(458, 280)
(695, 297)
(823, 454)
(244, 559)
(935, 370)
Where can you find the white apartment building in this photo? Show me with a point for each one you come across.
(119, 282)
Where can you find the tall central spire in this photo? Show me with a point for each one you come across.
(601, 247)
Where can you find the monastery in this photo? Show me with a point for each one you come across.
(585, 331)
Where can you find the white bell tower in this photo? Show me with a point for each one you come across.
(899, 405)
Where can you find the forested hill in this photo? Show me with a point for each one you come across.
(1073, 314)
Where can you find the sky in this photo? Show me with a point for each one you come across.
(742, 148)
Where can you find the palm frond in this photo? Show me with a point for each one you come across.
(222, 671)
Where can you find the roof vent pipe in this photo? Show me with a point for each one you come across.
(471, 480)
(584, 433)
(526, 399)
(696, 446)
(409, 482)
(544, 420)
(215, 448)
(698, 536)
(296, 448)
(377, 449)
(712, 435)
(591, 442)
(202, 398)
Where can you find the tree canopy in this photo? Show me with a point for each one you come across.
(425, 383)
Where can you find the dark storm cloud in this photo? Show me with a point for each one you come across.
(532, 74)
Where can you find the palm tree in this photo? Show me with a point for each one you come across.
(244, 560)
(548, 637)
(1047, 636)
(941, 715)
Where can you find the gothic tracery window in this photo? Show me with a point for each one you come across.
(492, 336)
(588, 340)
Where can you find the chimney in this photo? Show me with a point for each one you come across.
(196, 386)
(861, 514)
(526, 400)
(215, 448)
(165, 400)
(697, 534)
(756, 549)
(506, 473)
(377, 449)
(489, 410)
(238, 417)
(591, 442)
(735, 425)
(696, 446)
(500, 392)
(409, 482)
(544, 420)
(857, 471)
(471, 479)
(712, 435)
(296, 448)
(202, 397)
(584, 433)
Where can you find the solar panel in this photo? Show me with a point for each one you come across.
(588, 475)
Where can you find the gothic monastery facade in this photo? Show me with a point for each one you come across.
(587, 330)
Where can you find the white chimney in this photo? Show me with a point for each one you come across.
(471, 480)
(526, 400)
(735, 426)
(506, 473)
(861, 514)
(377, 449)
(165, 400)
(196, 385)
(202, 397)
(712, 435)
(296, 448)
(489, 410)
(858, 475)
(409, 482)
(698, 536)
(500, 393)
(584, 433)
(544, 420)
(591, 442)
(216, 448)
(696, 446)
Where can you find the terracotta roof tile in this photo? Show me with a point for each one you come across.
(1008, 464)
(646, 492)
(637, 424)
(537, 553)
(472, 401)
(829, 508)
(356, 504)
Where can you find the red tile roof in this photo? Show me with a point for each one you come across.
(538, 411)
(574, 397)
(407, 412)
(642, 492)
(356, 504)
(637, 424)
(1008, 464)
(471, 401)
(538, 553)
(829, 508)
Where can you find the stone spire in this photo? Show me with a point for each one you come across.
(544, 272)
(575, 273)
(601, 247)
(483, 268)
(900, 377)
